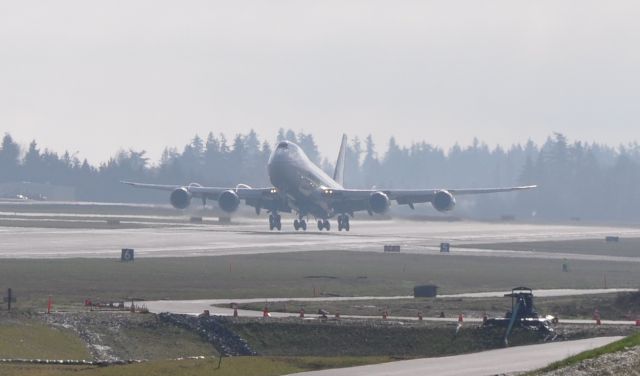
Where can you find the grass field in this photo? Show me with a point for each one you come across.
(32, 339)
(629, 247)
(239, 366)
(119, 335)
(293, 275)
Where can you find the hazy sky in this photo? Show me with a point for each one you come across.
(95, 76)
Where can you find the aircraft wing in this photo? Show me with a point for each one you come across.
(159, 187)
(259, 198)
(490, 190)
(350, 200)
(417, 196)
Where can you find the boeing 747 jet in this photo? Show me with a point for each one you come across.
(302, 187)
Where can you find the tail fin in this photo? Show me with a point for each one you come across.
(338, 175)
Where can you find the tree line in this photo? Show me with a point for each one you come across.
(576, 179)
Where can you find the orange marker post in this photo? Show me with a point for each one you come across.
(596, 316)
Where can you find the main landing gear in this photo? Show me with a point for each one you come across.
(275, 222)
(324, 224)
(343, 222)
(300, 224)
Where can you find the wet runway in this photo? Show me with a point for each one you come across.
(249, 236)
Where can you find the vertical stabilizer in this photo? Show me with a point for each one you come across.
(338, 175)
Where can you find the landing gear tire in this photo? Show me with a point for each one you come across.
(324, 224)
(300, 224)
(275, 222)
(343, 222)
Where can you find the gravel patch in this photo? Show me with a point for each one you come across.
(619, 363)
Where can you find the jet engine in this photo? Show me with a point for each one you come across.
(443, 201)
(379, 202)
(180, 198)
(228, 201)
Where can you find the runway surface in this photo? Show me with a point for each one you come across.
(29, 237)
(249, 236)
(492, 362)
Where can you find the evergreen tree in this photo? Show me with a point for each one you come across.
(575, 179)
(308, 145)
(370, 164)
(9, 159)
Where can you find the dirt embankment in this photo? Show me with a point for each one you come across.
(213, 329)
(112, 336)
(395, 338)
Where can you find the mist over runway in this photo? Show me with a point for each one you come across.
(251, 236)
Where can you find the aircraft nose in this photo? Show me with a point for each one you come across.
(279, 156)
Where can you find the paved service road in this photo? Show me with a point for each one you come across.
(492, 362)
(195, 307)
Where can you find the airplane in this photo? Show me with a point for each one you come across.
(302, 187)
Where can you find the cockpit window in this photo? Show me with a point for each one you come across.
(283, 145)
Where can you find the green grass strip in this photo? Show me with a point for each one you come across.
(235, 366)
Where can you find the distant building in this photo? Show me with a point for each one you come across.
(37, 191)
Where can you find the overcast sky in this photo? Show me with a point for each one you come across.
(96, 76)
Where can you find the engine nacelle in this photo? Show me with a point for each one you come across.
(443, 201)
(379, 202)
(180, 198)
(228, 201)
